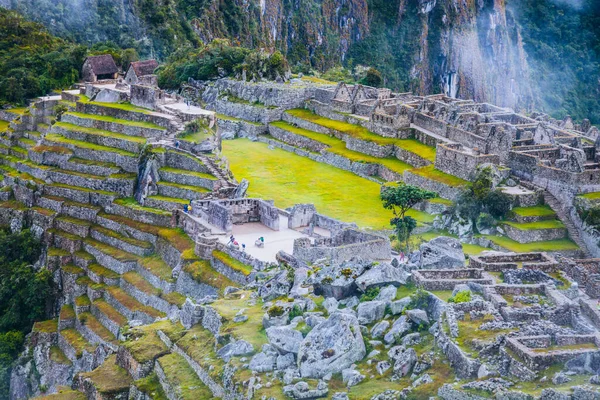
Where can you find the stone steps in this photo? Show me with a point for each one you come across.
(134, 229)
(188, 178)
(108, 381)
(66, 394)
(550, 200)
(115, 239)
(120, 183)
(131, 144)
(178, 379)
(130, 114)
(117, 260)
(136, 286)
(73, 226)
(91, 167)
(108, 316)
(130, 307)
(26, 143)
(176, 190)
(156, 271)
(33, 135)
(129, 208)
(79, 210)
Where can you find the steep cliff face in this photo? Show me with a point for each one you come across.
(465, 48)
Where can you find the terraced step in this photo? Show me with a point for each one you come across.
(108, 316)
(123, 126)
(188, 178)
(134, 229)
(95, 332)
(129, 208)
(130, 307)
(176, 376)
(149, 387)
(74, 226)
(135, 285)
(535, 231)
(100, 274)
(65, 240)
(100, 137)
(125, 111)
(155, 270)
(91, 167)
(66, 318)
(108, 381)
(115, 239)
(180, 160)
(176, 190)
(18, 152)
(64, 394)
(78, 210)
(110, 257)
(533, 214)
(33, 135)
(125, 159)
(166, 203)
(73, 344)
(26, 143)
(80, 194)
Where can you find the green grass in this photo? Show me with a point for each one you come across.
(135, 279)
(4, 125)
(82, 301)
(183, 379)
(65, 394)
(229, 118)
(46, 326)
(199, 344)
(109, 377)
(132, 304)
(528, 226)
(362, 133)
(430, 172)
(18, 111)
(110, 312)
(469, 249)
(195, 137)
(157, 267)
(150, 386)
(113, 252)
(232, 262)
(77, 341)
(95, 326)
(119, 106)
(130, 202)
(290, 179)
(67, 312)
(166, 199)
(197, 189)
(550, 245)
(57, 356)
(591, 196)
(110, 233)
(538, 211)
(106, 118)
(104, 272)
(83, 161)
(201, 271)
(144, 343)
(186, 172)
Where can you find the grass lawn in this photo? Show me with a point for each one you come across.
(550, 245)
(430, 172)
(106, 118)
(528, 226)
(289, 179)
(4, 125)
(590, 196)
(538, 211)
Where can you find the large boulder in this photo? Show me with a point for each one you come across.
(371, 311)
(331, 346)
(275, 287)
(284, 339)
(399, 328)
(442, 253)
(382, 275)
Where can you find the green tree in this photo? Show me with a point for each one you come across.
(373, 78)
(400, 199)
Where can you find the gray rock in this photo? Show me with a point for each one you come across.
(263, 362)
(379, 329)
(387, 294)
(411, 339)
(340, 396)
(314, 320)
(382, 275)
(240, 318)
(382, 367)
(284, 339)
(425, 379)
(331, 346)
(442, 253)
(275, 287)
(398, 329)
(419, 317)
(595, 380)
(404, 360)
(399, 305)
(350, 302)
(235, 349)
(351, 377)
(275, 321)
(460, 288)
(387, 395)
(370, 311)
(302, 390)
(285, 361)
(330, 304)
(559, 378)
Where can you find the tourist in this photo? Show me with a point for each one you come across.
(185, 208)
(177, 144)
(401, 256)
(231, 240)
(243, 247)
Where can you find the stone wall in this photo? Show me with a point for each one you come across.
(462, 162)
(444, 191)
(500, 261)
(448, 279)
(223, 214)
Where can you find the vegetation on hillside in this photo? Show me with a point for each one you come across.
(33, 62)
(25, 295)
(219, 59)
(563, 47)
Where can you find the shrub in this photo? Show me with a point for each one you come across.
(327, 280)
(346, 272)
(275, 311)
(370, 294)
(461, 297)
(419, 299)
(296, 312)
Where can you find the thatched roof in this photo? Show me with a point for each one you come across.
(102, 65)
(146, 67)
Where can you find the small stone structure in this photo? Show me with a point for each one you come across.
(501, 261)
(448, 279)
(96, 68)
(223, 214)
(139, 70)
